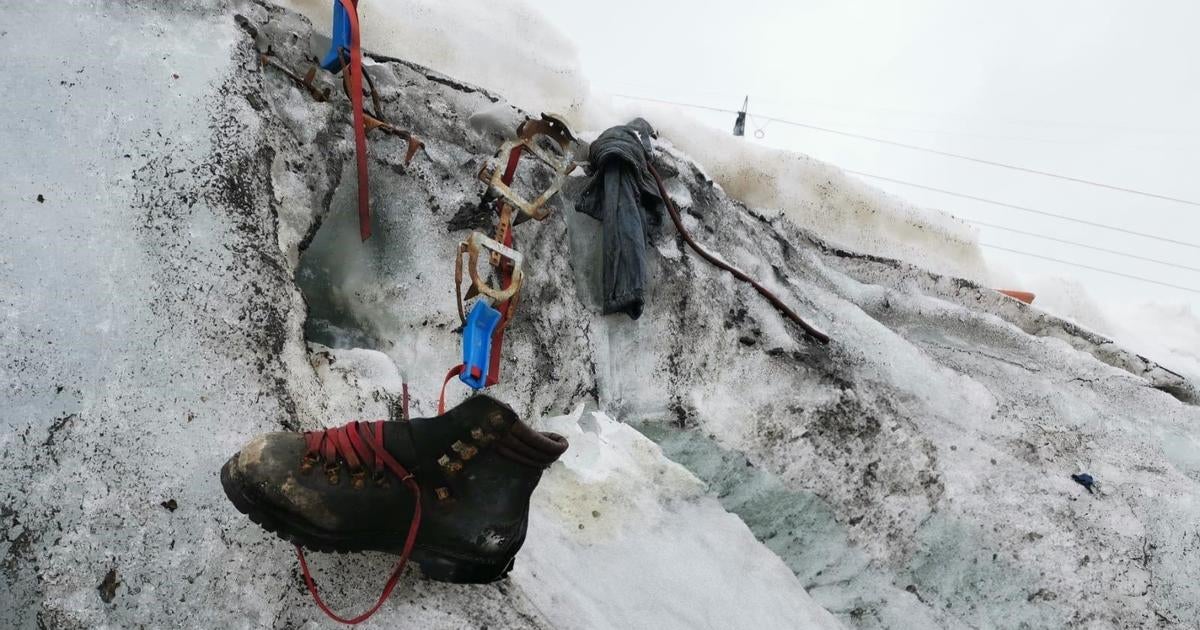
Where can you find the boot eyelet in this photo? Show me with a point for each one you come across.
(482, 437)
(307, 463)
(358, 479)
(466, 451)
(331, 472)
(451, 466)
(442, 493)
(380, 479)
(496, 418)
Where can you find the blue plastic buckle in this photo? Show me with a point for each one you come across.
(477, 344)
(341, 39)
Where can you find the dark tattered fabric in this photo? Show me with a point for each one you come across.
(623, 196)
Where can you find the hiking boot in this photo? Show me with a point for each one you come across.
(454, 489)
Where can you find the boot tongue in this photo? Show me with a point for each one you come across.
(530, 447)
(398, 439)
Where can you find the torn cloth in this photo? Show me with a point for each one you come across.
(622, 195)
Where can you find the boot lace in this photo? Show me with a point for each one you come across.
(359, 444)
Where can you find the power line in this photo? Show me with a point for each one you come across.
(1085, 245)
(991, 163)
(1024, 209)
(915, 147)
(1000, 203)
(859, 107)
(951, 192)
(692, 105)
(1101, 270)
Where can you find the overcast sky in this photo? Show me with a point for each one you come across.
(1105, 91)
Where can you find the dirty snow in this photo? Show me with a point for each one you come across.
(162, 308)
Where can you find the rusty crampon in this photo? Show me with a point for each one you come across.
(549, 140)
(471, 248)
(372, 119)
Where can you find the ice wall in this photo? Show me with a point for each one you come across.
(508, 48)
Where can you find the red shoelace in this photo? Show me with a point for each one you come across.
(356, 444)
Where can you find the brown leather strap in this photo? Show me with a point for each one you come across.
(737, 273)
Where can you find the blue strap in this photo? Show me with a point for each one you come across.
(477, 344)
(340, 36)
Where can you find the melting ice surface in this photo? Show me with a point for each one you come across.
(628, 536)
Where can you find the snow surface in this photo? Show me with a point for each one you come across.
(501, 45)
(914, 473)
(1168, 333)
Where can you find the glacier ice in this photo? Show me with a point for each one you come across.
(155, 303)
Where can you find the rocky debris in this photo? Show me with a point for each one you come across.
(108, 586)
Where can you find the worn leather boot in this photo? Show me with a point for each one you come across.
(356, 488)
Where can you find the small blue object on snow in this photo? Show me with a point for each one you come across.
(340, 36)
(477, 344)
(1084, 480)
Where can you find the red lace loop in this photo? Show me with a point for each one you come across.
(348, 443)
(358, 443)
(454, 371)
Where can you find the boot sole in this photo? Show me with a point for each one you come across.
(434, 565)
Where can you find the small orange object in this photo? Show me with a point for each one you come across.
(1024, 296)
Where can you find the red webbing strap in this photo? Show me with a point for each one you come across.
(454, 371)
(374, 442)
(505, 270)
(360, 130)
(510, 169)
(505, 309)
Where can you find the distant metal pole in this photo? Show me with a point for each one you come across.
(739, 125)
